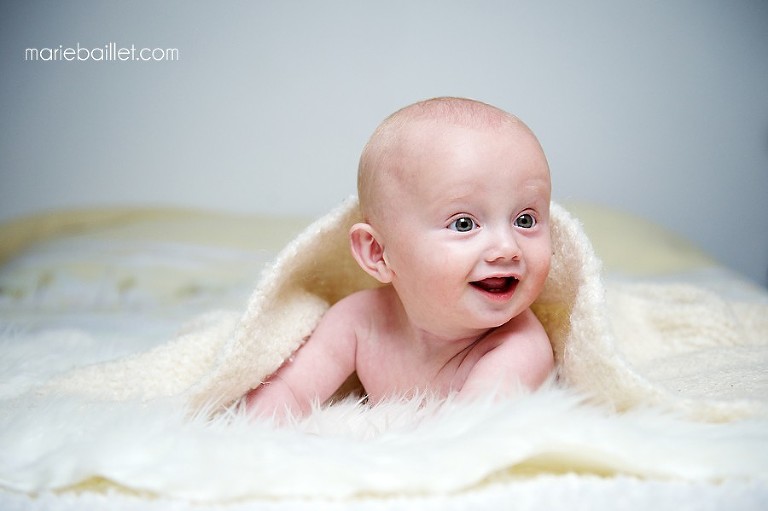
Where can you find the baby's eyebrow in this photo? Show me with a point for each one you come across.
(461, 201)
(457, 207)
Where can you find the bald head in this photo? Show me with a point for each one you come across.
(382, 158)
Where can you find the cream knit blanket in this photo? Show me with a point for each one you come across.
(676, 347)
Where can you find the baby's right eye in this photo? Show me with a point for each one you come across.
(463, 224)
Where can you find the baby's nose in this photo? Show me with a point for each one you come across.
(503, 247)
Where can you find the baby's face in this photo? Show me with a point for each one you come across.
(466, 234)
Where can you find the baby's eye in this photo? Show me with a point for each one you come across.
(525, 221)
(463, 224)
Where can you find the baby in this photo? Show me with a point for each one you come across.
(455, 195)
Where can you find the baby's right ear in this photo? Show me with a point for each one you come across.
(369, 252)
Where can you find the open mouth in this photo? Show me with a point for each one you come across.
(496, 285)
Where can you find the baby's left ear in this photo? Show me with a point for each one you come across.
(368, 251)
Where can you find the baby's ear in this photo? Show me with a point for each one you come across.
(369, 252)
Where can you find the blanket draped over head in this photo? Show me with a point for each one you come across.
(627, 345)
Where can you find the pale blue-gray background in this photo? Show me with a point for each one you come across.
(659, 108)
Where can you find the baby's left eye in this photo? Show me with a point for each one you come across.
(463, 224)
(525, 221)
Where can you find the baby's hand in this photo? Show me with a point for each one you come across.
(273, 399)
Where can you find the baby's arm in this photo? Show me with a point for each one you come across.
(315, 371)
(521, 356)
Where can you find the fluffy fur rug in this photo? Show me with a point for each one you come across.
(400, 448)
(676, 347)
(665, 383)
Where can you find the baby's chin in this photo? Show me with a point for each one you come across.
(491, 322)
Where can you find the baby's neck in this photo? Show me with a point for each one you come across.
(400, 355)
(431, 343)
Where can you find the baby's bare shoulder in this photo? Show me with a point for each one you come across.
(518, 352)
(525, 326)
(521, 339)
(364, 299)
(357, 308)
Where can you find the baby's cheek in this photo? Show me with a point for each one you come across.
(539, 267)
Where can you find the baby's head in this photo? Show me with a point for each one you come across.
(384, 167)
(455, 195)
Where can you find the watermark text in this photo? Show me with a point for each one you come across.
(111, 52)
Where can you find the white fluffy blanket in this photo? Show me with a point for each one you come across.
(676, 347)
(656, 381)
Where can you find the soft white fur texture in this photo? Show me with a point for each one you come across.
(603, 347)
(407, 448)
(660, 382)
